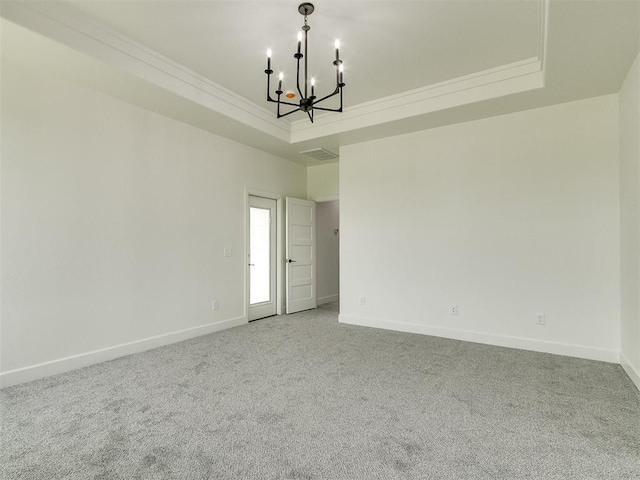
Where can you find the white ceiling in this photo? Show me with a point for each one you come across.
(563, 50)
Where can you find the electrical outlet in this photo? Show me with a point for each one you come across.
(540, 319)
(214, 305)
(363, 300)
(453, 310)
(228, 252)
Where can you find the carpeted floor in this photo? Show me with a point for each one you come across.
(303, 397)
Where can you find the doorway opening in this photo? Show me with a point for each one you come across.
(328, 272)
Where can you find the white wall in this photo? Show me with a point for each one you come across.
(328, 251)
(629, 100)
(504, 217)
(323, 182)
(114, 221)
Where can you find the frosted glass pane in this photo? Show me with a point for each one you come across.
(259, 272)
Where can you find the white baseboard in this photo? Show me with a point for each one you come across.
(633, 372)
(62, 365)
(329, 299)
(601, 354)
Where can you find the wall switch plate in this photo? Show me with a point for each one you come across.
(453, 310)
(363, 300)
(540, 320)
(228, 252)
(214, 305)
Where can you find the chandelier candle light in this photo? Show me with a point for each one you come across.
(308, 103)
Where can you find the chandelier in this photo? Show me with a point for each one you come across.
(308, 103)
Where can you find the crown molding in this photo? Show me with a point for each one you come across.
(102, 43)
(497, 82)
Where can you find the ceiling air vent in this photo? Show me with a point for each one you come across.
(320, 154)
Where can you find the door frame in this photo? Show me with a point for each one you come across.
(280, 287)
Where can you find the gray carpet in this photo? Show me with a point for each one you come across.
(303, 397)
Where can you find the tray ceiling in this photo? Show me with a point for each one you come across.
(410, 65)
(388, 46)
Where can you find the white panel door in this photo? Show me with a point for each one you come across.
(301, 255)
(262, 257)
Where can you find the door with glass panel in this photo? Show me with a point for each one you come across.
(262, 257)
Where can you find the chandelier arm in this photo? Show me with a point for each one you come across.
(288, 113)
(268, 87)
(336, 91)
(279, 106)
(283, 103)
(269, 97)
(298, 76)
(328, 109)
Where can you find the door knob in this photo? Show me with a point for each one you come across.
(290, 261)
(252, 264)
